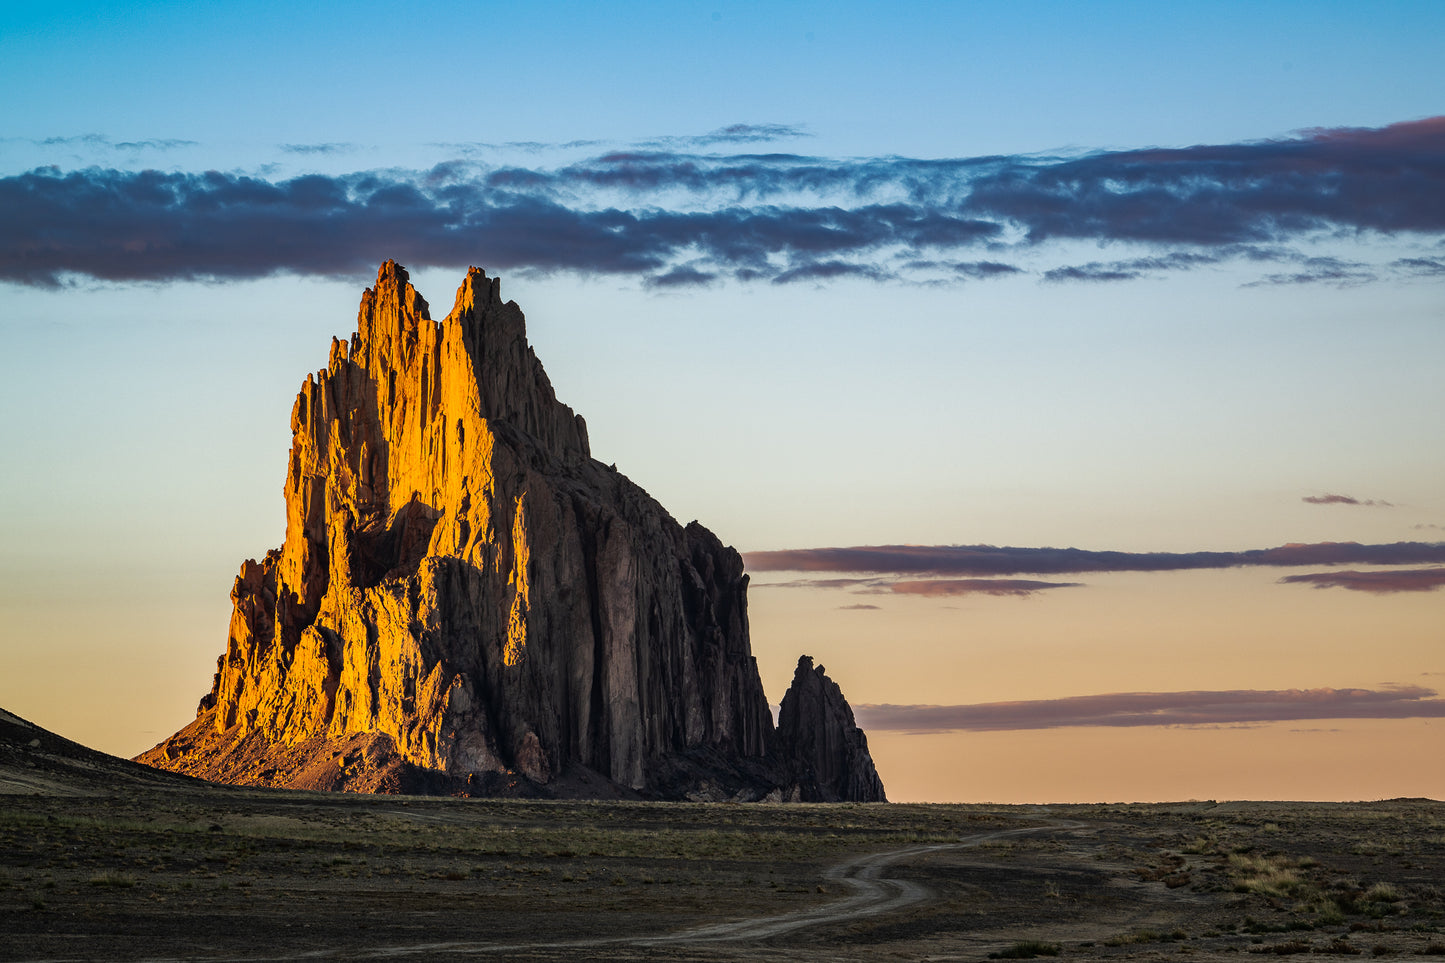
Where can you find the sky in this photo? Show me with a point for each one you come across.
(1072, 377)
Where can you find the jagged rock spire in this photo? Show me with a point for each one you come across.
(825, 748)
(465, 600)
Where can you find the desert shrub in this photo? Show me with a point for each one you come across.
(1339, 947)
(1026, 950)
(1283, 949)
(1252, 925)
(1147, 936)
(112, 879)
(1330, 912)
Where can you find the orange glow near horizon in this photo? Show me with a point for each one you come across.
(1320, 760)
(1127, 632)
(1166, 632)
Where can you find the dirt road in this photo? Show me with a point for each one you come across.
(180, 871)
(872, 894)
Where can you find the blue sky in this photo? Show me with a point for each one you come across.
(1122, 276)
(921, 79)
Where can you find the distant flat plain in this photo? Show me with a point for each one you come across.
(100, 859)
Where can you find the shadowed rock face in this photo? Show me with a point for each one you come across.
(823, 748)
(467, 601)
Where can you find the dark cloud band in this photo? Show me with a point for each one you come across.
(929, 588)
(989, 560)
(1130, 709)
(944, 587)
(1333, 499)
(675, 217)
(1378, 583)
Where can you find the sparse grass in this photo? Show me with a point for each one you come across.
(1328, 912)
(122, 880)
(1339, 947)
(1283, 949)
(533, 870)
(1147, 936)
(1265, 875)
(1199, 846)
(1382, 893)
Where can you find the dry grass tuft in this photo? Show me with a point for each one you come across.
(1266, 875)
(1026, 950)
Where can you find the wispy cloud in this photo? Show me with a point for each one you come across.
(732, 134)
(1322, 270)
(825, 583)
(933, 588)
(1399, 580)
(479, 148)
(930, 588)
(990, 560)
(682, 276)
(327, 148)
(1129, 709)
(1091, 272)
(1421, 266)
(674, 216)
(972, 270)
(1129, 269)
(828, 270)
(102, 142)
(1330, 498)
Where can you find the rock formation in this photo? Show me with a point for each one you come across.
(824, 749)
(466, 601)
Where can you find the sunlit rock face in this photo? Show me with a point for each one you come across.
(466, 601)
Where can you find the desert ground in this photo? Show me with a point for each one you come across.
(100, 859)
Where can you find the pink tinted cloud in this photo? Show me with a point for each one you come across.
(992, 560)
(860, 584)
(976, 586)
(1130, 709)
(1407, 580)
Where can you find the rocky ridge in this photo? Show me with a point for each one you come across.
(466, 601)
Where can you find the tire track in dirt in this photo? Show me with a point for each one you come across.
(872, 894)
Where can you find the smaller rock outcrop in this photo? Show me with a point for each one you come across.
(822, 744)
